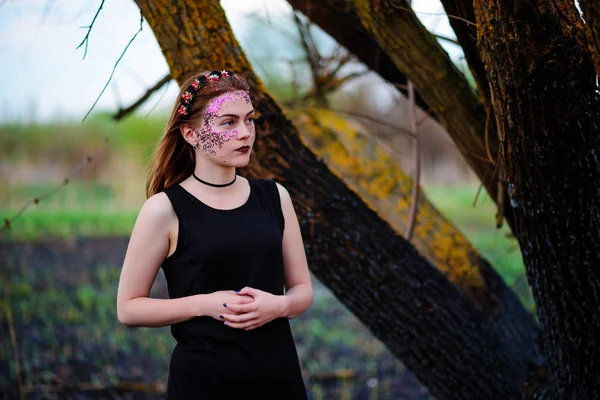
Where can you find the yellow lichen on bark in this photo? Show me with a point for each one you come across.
(196, 36)
(370, 170)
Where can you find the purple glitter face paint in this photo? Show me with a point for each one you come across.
(209, 136)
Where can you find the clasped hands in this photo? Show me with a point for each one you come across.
(249, 308)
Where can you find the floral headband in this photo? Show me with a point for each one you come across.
(188, 96)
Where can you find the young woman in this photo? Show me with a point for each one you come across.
(227, 245)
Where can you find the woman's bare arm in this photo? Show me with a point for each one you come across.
(148, 247)
(299, 293)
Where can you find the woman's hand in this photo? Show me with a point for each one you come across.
(265, 308)
(223, 300)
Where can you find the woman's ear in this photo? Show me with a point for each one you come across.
(189, 135)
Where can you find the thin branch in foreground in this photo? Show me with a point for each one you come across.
(417, 162)
(487, 133)
(162, 95)
(13, 340)
(500, 213)
(115, 67)
(89, 28)
(123, 112)
(434, 14)
(482, 183)
(36, 200)
(447, 39)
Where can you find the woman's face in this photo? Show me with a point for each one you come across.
(225, 132)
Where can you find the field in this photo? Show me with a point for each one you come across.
(61, 260)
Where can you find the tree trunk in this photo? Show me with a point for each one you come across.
(591, 15)
(456, 346)
(543, 91)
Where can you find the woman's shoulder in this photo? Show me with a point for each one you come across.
(284, 195)
(158, 207)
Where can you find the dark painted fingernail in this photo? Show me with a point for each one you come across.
(224, 304)
(220, 316)
(237, 291)
(226, 324)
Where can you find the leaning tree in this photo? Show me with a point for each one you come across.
(529, 131)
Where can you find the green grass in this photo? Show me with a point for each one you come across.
(33, 141)
(78, 209)
(40, 224)
(478, 223)
(62, 318)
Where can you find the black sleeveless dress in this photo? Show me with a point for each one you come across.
(227, 250)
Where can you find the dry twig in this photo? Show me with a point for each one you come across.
(115, 67)
(122, 113)
(13, 340)
(417, 162)
(434, 14)
(86, 39)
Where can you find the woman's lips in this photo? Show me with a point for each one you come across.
(243, 149)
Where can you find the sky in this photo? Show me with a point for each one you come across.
(44, 75)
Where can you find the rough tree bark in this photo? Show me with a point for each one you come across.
(591, 15)
(543, 90)
(456, 346)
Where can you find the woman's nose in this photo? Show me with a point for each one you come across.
(243, 132)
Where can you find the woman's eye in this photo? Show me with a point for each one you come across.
(251, 119)
(228, 123)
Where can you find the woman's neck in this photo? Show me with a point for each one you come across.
(215, 175)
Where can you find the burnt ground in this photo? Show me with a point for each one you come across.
(60, 338)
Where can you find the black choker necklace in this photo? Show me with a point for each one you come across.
(214, 184)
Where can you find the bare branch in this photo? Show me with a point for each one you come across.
(162, 95)
(329, 84)
(353, 36)
(417, 162)
(266, 7)
(122, 113)
(115, 67)
(487, 133)
(447, 39)
(89, 28)
(435, 14)
(313, 58)
(466, 36)
(118, 100)
(13, 341)
(257, 18)
(341, 58)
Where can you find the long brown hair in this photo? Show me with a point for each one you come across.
(173, 159)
